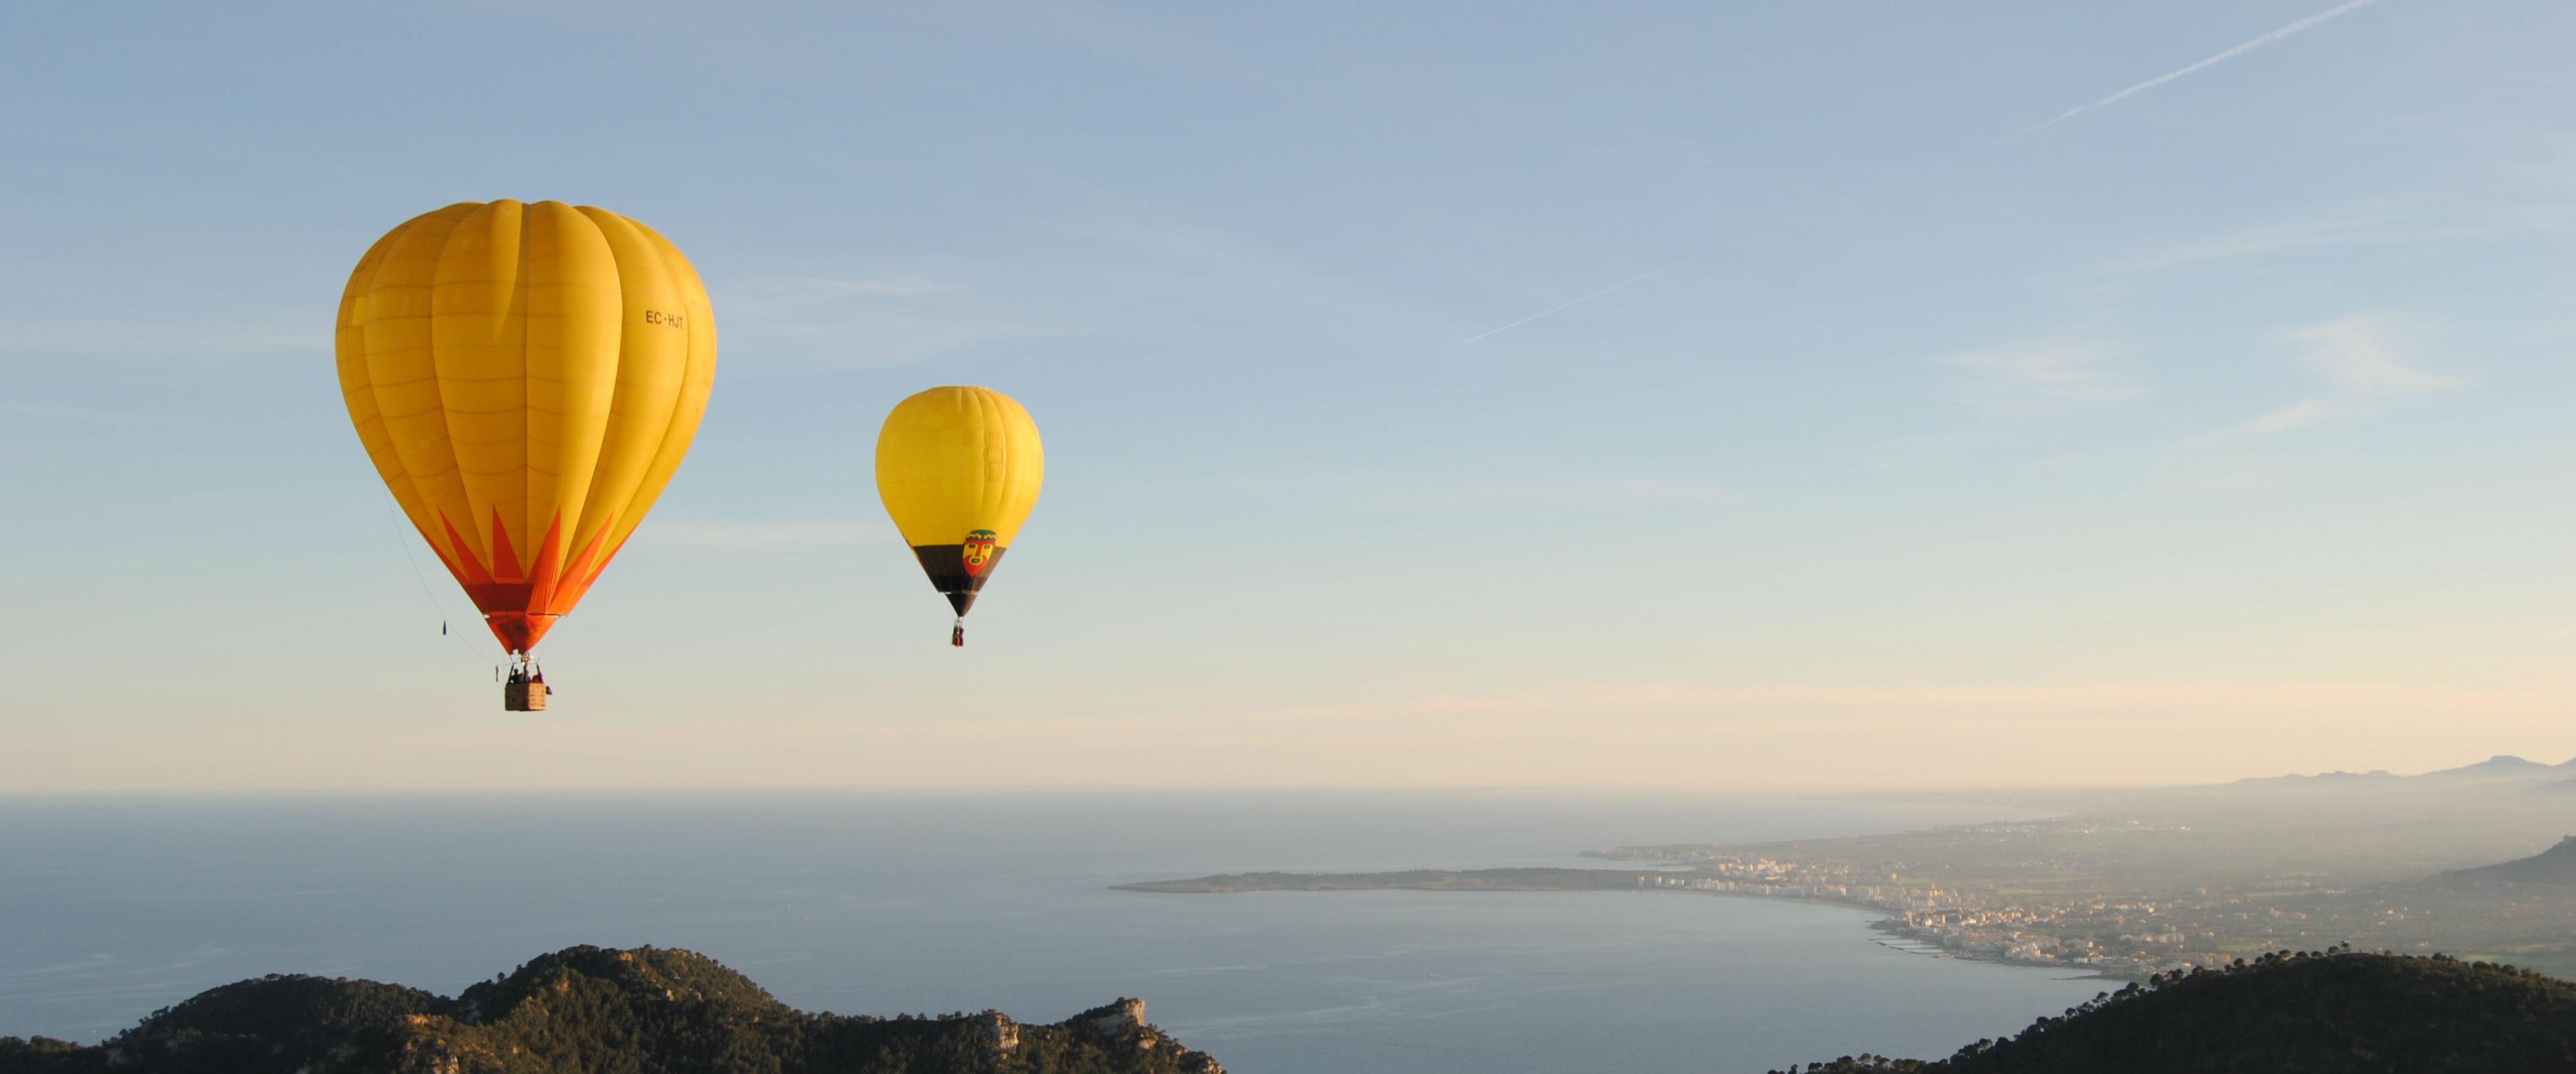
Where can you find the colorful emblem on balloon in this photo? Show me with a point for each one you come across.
(977, 552)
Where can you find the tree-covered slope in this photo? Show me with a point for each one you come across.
(594, 1011)
(2335, 1012)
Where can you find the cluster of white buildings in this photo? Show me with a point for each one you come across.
(2125, 936)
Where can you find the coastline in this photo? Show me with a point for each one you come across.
(1458, 881)
(1888, 925)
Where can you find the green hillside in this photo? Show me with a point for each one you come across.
(2327, 1013)
(592, 1011)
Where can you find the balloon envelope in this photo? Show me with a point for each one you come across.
(526, 378)
(959, 469)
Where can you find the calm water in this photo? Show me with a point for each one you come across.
(939, 902)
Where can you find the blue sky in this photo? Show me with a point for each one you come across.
(1770, 395)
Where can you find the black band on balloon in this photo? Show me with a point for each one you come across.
(946, 566)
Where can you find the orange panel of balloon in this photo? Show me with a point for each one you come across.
(526, 378)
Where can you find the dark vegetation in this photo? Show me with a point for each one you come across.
(2331, 1012)
(595, 1011)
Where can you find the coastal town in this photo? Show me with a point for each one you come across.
(2116, 938)
(2115, 896)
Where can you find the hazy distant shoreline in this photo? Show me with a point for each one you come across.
(1556, 879)
(961, 902)
(2475, 861)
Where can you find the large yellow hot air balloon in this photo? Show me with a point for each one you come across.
(526, 379)
(959, 468)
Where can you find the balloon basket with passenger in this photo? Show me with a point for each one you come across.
(525, 690)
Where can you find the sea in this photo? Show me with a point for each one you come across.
(883, 903)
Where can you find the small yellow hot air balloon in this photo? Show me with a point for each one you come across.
(526, 379)
(959, 469)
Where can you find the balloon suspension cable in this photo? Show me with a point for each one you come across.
(957, 634)
(393, 515)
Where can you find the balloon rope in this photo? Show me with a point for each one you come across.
(418, 576)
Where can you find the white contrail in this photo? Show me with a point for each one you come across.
(2320, 18)
(1555, 309)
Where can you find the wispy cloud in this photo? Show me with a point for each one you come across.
(74, 414)
(767, 536)
(2357, 225)
(2311, 22)
(899, 285)
(2354, 226)
(1150, 254)
(857, 321)
(2043, 378)
(1424, 490)
(1908, 455)
(177, 337)
(2364, 363)
(1557, 490)
(1908, 701)
(1553, 310)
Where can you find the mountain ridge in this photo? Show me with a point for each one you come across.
(591, 1009)
(2503, 766)
(2329, 1012)
(2556, 866)
(2500, 768)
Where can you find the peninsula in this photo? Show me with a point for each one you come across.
(2130, 883)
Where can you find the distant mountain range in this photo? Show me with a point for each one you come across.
(2502, 768)
(2557, 865)
(2336, 1013)
(2505, 766)
(588, 1009)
